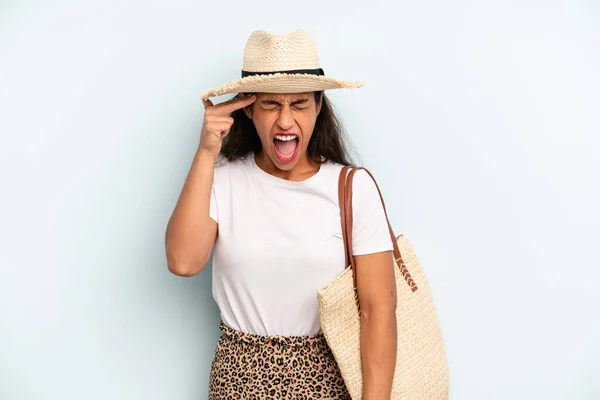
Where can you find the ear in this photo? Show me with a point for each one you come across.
(248, 111)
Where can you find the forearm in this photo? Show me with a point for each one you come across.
(188, 239)
(378, 348)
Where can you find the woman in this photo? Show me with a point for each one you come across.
(262, 193)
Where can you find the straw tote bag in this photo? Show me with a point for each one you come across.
(421, 367)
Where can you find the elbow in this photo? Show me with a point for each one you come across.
(380, 314)
(185, 268)
(183, 262)
(380, 311)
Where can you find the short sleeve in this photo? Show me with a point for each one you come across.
(213, 204)
(370, 232)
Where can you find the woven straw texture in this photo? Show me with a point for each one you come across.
(267, 52)
(421, 365)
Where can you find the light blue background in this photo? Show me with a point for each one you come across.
(479, 119)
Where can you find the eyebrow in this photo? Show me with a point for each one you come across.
(276, 103)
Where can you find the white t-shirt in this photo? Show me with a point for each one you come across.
(278, 242)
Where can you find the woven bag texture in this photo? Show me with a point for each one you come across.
(421, 366)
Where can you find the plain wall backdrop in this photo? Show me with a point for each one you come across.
(481, 121)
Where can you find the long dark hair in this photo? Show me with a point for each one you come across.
(328, 140)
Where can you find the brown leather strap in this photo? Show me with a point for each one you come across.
(341, 202)
(347, 224)
(349, 217)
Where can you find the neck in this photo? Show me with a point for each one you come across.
(304, 168)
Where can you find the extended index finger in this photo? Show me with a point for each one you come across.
(232, 105)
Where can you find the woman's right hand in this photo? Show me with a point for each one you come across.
(217, 122)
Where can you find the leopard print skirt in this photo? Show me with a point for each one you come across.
(249, 366)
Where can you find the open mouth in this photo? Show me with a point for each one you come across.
(286, 146)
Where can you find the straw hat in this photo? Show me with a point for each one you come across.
(286, 63)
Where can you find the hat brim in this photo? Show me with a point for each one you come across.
(281, 83)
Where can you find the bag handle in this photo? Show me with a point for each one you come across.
(345, 202)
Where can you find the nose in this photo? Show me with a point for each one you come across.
(285, 120)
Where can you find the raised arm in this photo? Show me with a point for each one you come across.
(191, 232)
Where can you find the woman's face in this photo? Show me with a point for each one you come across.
(285, 123)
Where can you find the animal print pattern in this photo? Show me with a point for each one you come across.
(249, 366)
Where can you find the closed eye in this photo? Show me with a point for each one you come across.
(275, 108)
(300, 104)
(272, 105)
